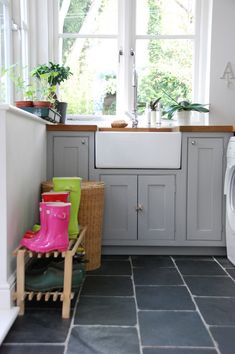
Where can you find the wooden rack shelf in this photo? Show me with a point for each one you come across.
(66, 295)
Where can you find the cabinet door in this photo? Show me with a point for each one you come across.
(70, 157)
(120, 216)
(205, 189)
(156, 215)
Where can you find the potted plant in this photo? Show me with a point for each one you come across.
(24, 92)
(184, 106)
(44, 92)
(153, 105)
(53, 75)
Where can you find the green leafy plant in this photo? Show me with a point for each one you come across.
(153, 104)
(182, 106)
(53, 73)
(24, 90)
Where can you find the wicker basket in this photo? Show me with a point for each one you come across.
(91, 215)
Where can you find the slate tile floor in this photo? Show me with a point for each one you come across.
(138, 305)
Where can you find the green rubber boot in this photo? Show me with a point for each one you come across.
(72, 185)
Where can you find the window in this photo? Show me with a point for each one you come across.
(13, 47)
(103, 40)
(24, 36)
(4, 50)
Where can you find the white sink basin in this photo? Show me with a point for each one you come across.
(138, 150)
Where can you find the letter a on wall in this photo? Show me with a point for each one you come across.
(228, 74)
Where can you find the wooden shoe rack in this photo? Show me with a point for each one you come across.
(66, 295)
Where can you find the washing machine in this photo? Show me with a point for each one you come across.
(229, 191)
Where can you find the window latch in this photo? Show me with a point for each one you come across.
(132, 52)
(120, 53)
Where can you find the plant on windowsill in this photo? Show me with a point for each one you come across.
(44, 93)
(154, 106)
(25, 92)
(53, 75)
(183, 107)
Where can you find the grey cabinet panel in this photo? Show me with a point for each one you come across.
(205, 188)
(156, 220)
(120, 207)
(70, 157)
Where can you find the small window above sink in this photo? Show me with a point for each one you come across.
(160, 150)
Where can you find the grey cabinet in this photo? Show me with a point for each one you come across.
(156, 214)
(139, 209)
(120, 207)
(205, 189)
(68, 155)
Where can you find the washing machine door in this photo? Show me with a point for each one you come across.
(230, 204)
(227, 179)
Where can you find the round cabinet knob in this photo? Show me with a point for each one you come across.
(193, 142)
(83, 141)
(139, 207)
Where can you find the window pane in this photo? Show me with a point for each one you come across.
(2, 56)
(89, 17)
(92, 88)
(164, 64)
(165, 17)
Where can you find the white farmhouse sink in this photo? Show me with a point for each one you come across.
(138, 150)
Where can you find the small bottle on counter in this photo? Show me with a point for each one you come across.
(158, 114)
(148, 115)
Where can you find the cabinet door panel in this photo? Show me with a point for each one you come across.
(157, 198)
(70, 157)
(205, 178)
(120, 220)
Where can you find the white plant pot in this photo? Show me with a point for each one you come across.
(153, 118)
(183, 117)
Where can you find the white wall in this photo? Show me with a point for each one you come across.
(22, 169)
(221, 97)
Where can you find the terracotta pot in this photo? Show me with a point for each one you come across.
(24, 103)
(42, 104)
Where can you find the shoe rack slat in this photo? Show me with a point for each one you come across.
(66, 295)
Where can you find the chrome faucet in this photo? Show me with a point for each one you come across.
(135, 87)
(134, 115)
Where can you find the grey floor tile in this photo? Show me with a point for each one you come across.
(108, 286)
(103, 340)
(163, 298)
(225, 337)
(194, 258)
(231, 272)
(156, 276)
(168, 328)
(210, 286)
(152, 261)
(217, 311)
(39, 326)
(115, 257)
(178, 351)
(118, 311)
(225, 262)
(32, 349)
(188, 267)
(113, 267)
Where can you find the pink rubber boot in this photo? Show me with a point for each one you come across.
(43, 230)
(55, 197)
(57, 229)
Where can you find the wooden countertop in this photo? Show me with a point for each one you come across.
(72, 128)
(182, 128)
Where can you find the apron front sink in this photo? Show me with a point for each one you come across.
(160, 150)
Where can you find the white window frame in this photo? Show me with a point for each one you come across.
(127, 41)
(7, 47)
